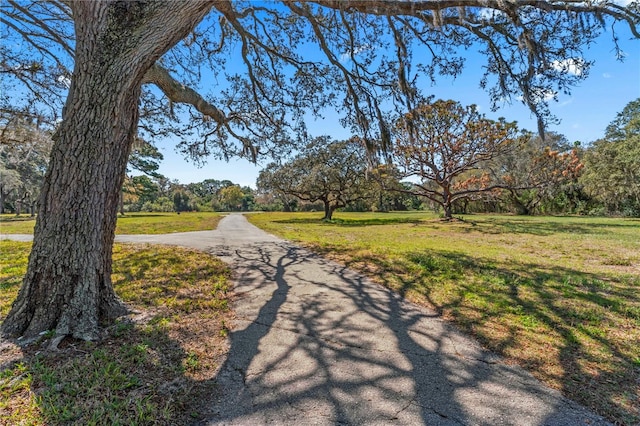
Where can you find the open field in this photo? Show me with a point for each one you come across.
(154, 367)
(558, 295)
(131, 223)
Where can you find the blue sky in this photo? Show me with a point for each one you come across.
(584, 114)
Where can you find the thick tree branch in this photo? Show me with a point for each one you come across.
(413, 8)
(179, 93)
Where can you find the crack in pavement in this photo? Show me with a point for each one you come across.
(402, 409)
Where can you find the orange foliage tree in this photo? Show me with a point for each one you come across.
(536, 171)
(446, 146)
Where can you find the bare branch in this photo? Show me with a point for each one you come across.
(41, 24)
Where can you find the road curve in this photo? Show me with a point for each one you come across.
(315, 343)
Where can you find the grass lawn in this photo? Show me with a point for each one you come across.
(131, 223)
(559, 296)
(154, 367)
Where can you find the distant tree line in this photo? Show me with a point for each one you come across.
(445, 157)
(450, 158)
(159, 194)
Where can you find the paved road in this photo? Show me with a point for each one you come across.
(317, 344)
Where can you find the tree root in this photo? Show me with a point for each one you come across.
(53, 345)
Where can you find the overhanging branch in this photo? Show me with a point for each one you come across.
(179, 93)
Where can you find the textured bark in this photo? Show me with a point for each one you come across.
(447, 202)
(448, 211)
(68, 282)
(328, 211)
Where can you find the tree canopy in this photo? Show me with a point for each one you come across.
(536, 171)
(612, 164)
(445, 145)
(245, 66)
(334, 173)
(626, 124)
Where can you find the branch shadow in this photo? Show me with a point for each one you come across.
(153, 366)
(316, 342)
(587, 312)
(140, 373)
(515, 225)
(353, 222)
(482, 224)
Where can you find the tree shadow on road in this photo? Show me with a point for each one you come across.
(315, 342)
(573, 330)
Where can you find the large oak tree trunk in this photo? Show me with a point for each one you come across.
(447, 204)
(2, 197)
(328, 211)
(68, 282)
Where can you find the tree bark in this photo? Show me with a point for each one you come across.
(285, 205)
(448, 211)
(68, 286)
(3, 196)
(447, 203)
(328, 211)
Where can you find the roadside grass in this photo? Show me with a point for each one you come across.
(131, 223)
(559, 296)
(155, 365)
(165, 223)
(12, 224)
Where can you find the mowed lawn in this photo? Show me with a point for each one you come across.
(559, 296)
(131, 223)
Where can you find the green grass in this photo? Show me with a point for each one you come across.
(560, 296)
(153, 368)
(131, 223)
(12, 224)
(13, 264)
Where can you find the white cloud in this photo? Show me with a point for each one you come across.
(66, 81)
(488, 14)
(346, 57)
(567, 102)
(606, 75)
(572, 66)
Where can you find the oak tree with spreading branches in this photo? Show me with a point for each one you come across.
(446, 145)
(331, 172)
